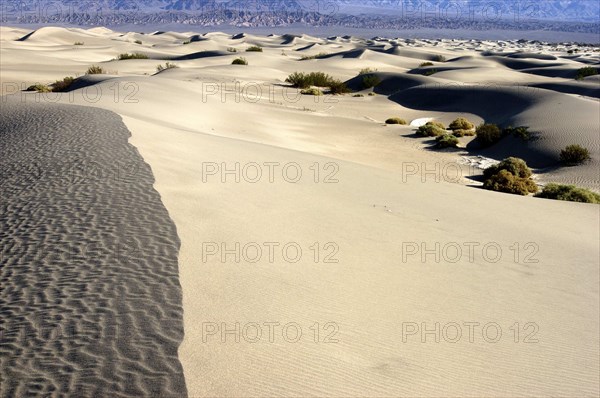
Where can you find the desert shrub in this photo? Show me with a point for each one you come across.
(40, 88)
(424, 64)
(437, 124)
(574, 155)
(521, 132)
(439, 58)
(569, 193)
(396, 120)
(256, 49)
(312, 91)
(138, 42)
(338, 87)
(125, 56)
(95, 70)
(367, 71)
(372, 94)
(187, 42)
(79, 43)
(430, 72)
(358, 95)
(447, 141)
(585, 72)
(507, 182)
(168, 65)
(62, 85)
(461, 124)
(463, 133)
(240, 61)
(430, 130)
(488, 134)
(231, 49)
(370, 81)
(309, 57)
(515, 166)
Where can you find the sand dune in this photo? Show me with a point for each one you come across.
(209, 112)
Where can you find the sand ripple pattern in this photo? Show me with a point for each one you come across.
(90, 299)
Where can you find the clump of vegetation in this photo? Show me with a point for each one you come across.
(447, 141)
(511, 176)
(358, 95)
(309, 57)
(240, 61)
(424, 64)
(367, 71)
(430, 72)
(461, 124)
(439, 58)
(168, 65)
(372, 94)
(232, 49)
(569, 193)
(396, 120)
(488, 134)
(312, 91)
(370, 81)
(126, 56)
(95, 70)
(40, 88)
(515, 166)
(585, 72)
(319, 79)
(62, 85)
(509, 183)
(430, 130)
(138, 42)
(521, 132)
(78, 43)
(256, 49)
(437, 124)
(187, 42)
(574, 155)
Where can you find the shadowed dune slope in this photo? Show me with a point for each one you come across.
(90, 298)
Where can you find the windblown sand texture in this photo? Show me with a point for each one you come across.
(179, 123)
(91, 301)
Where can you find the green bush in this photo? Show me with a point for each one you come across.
(187, 42)
(358, 95)
(463, 133)
(372, 94)
(79, 43)
(338, 87)
(585, 72)
(256, 49)
(461, 124)
(370, 81)
(430, 72)
(138, 42)
(309, 57)
(515, 166)
(312, 91)
(574, 155)
(62, 85)
(437, 124)
(231, 49)
(447, 141)
(488, 134)
(521, 132)
(569, 193)
(507, 182)
(367, 71)
(168, 65)
(95, 70)
(439, 58)
(240, 61)
(396, 120)
(40, 88)
(125, 56)
(430, 130)
(424, 64)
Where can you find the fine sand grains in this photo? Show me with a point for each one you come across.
(90, 298)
